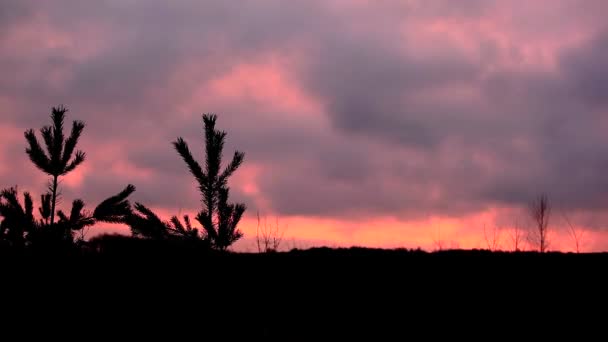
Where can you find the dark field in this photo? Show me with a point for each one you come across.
(307, 293)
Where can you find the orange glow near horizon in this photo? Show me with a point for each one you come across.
(428, 234)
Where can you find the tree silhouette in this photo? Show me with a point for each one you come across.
(540, 210)
(517, 237)
(59, 158)
(492, 238)
(218, 217)
(576, 234)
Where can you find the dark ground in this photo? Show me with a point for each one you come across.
(155, 288)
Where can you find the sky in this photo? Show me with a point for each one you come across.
(411, 123)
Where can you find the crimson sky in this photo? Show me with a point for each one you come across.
(378, 123)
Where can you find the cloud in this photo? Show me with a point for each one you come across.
(344, 108)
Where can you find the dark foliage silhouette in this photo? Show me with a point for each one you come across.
(19, 226)
(45, 208)
(79, 219)
(59, 158)
(145, 223)
(115, 209)
(18, 219)
(186, 229)
(218, 217)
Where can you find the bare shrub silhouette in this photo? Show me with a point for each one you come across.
(492, 238)
(268, 236)
(540, 211)
(218, 217)
(576, 234)
(517, 235)
(438, 241)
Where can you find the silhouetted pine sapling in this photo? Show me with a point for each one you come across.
(218, 217)
(60, 157)
(115, 209)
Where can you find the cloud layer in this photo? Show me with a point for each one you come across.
(347, 110)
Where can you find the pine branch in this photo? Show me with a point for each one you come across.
(78, 159)
(11, 197)
(36, 154)
(237, 160)
(203, 218)
(188, 223)
(197, 171)
(45, 206)
(115, 209)
(28, 206)
(72, 141)
(57, 116)
(77, 207)
(47, 135)
(146, 223)
(62, 217)
(178, 225)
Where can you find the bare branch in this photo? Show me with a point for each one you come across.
(437, 241)
(268, 237)
(517, 237)
(540, 211)
(576, 234)
(492, 239)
